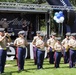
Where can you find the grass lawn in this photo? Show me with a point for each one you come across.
(31, 69)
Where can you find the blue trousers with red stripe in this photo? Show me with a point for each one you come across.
(72, 58)
(40, 58)
(21, 57)
(66, 56)
(57, 59)
(35, 55)
(17, 56)
(51, 56)
(3, 54)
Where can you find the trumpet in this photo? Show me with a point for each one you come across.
(7, 35)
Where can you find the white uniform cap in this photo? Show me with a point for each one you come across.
(68, 34)
(53, 34)
(58, 38)
(38, 32)
(2, 29)
(21, 32)
(73, 34)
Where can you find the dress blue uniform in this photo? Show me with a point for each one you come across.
(51, 43)
(3, 49)
(72, 45)
(57, 55)
(66, 48)
(36, 38)
(21, 44)
(40, 52)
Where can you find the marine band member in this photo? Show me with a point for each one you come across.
(51, 42)
(36, 38)
(72, 45)
(65, 43)
(3, 49)
(40, 52)
(21, 44)
(58, 49)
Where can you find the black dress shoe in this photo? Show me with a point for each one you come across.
(22, 69)
(19, 71)
(0, 73)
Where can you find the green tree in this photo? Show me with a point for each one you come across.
(7, 1)
(25, 1)
(73, 2)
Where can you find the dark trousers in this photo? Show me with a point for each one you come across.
(21, 57)
(40, 58)
(35, 55)
(17, 56)
(66, 56)
(57, 59)
(51, 56)
(2, 59)
(72, 58)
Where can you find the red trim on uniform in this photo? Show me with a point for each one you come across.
(17, 55)
(55, 58)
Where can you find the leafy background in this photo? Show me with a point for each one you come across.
(34, 1)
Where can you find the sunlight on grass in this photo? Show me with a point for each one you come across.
(31, 69)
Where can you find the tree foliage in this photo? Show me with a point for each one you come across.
(73, 2)
(34, 1)
(25, 1)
